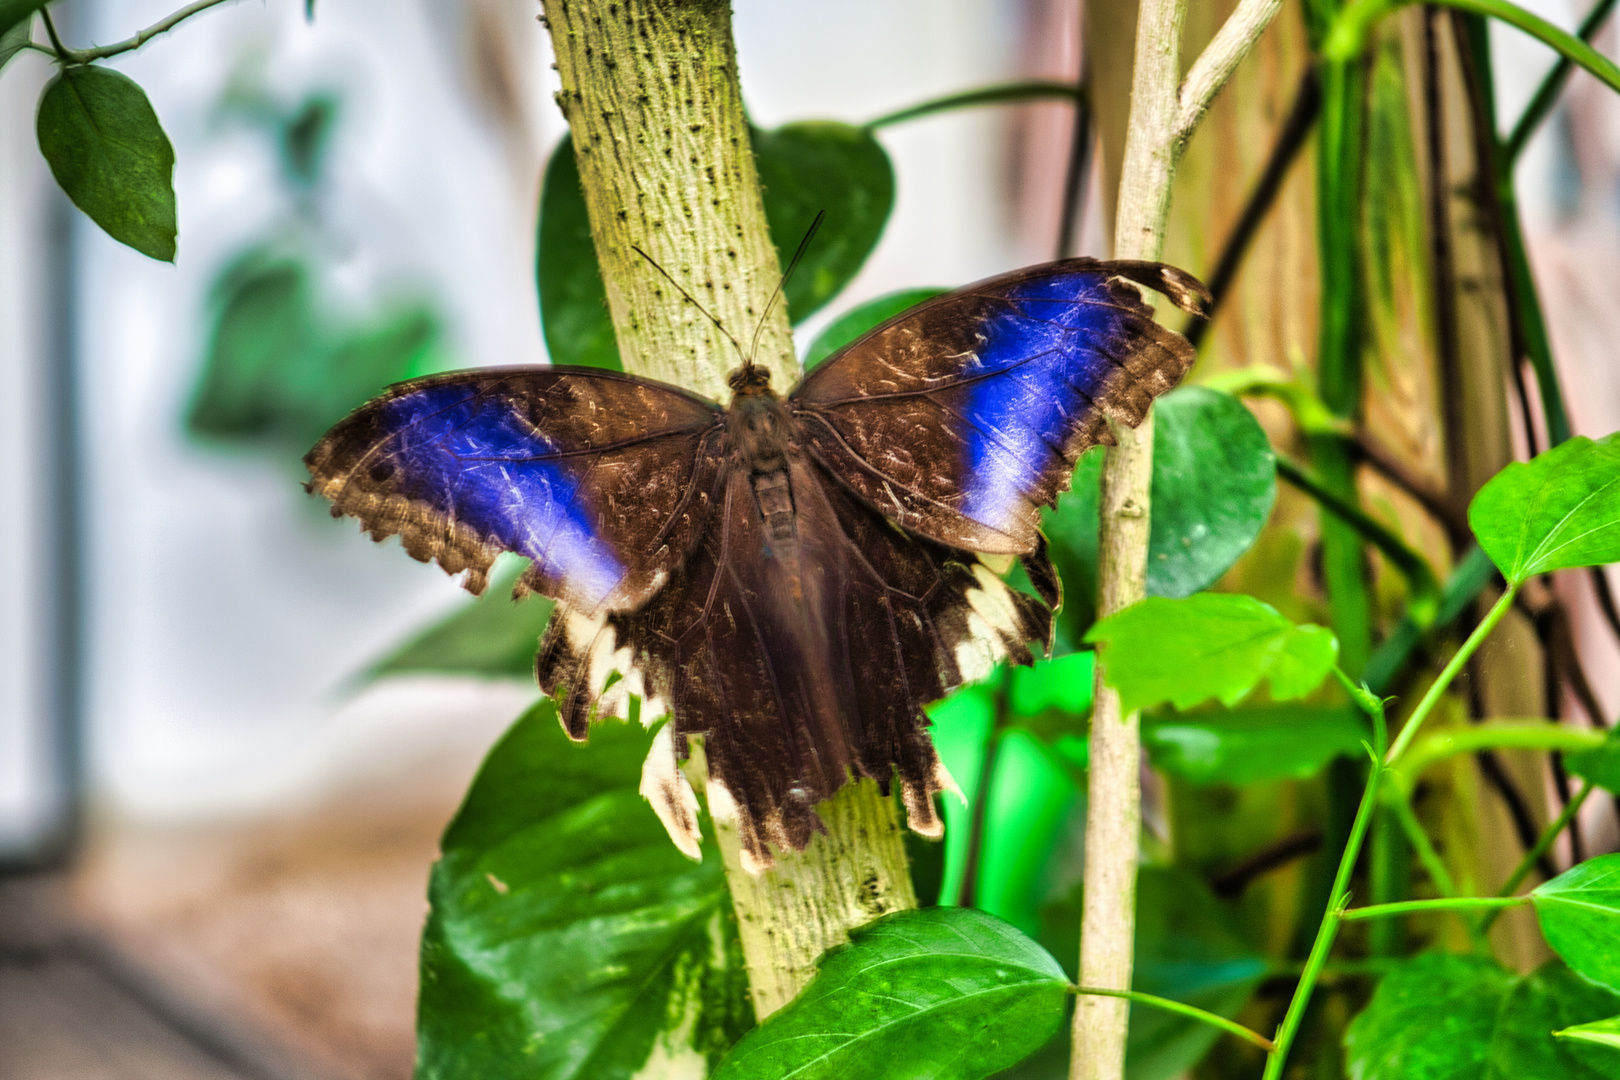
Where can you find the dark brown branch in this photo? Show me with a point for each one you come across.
(1605, 599)
(1230, 884)
(1447, 345)
(1428, 495)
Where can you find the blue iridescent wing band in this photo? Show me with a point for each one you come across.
(603, 481)
(960, 418)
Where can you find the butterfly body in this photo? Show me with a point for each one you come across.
(791, 577)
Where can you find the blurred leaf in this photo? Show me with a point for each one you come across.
(863, 317)
(809, 167)
(1211, 645)
(109, 153)
(573, 301)
(1214, 482)
(305, 136)
(1188, 949)
(1431, 1018)
(567, 937)
(1063, 683)
(1032, 797)
(1598, 1033)
(493, 635)
(14, 39)
(961, 727)
(1558, 511)
(14, 12)
(1245, 746)
(1600, 765)
(1549, 998)
(1580, 917)
(947, 993)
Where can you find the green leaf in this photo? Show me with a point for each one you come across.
(1549, 998)
(806, 168)
(573, 300)
(1062, 683)
(15, 12)
(1430, 1019)
(1246, 746)
(1598, 1033)
(1214, 482)
(861, 318)
(494, 635)
(109, 153)
(14, 39)
(1601, 765)
(567, 937)
(1558, 511)
(1033, 797)
(946, 993)
(1580, 917)
(1211, 645)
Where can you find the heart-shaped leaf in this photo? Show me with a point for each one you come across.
(1212, 645)
(567, 938)
(947, 993)
(1580, 917)
(861, 318)
(1550, 998)
(109, 153)
(1430, 1019)
(1247, 746)
(1558, 511)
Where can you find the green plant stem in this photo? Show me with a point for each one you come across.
(1424, 602)
(1432, 698)
(1196, 1013)
(1453, 903)
(1401, 806)
(62, 51)
(1546, 94)
(1338, 898)
(1543, 843)
(1531, 734)
(129, 44)
(999, 94)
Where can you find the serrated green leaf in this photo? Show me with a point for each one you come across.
(1601, 765)
(493, 636)
(1549, 998)
(1558, 511)
(1579, 912)
(1598, 1033)
(108, 151)
(13, 12)
(1212, 645)
(14, 39)
(1430, 1019)
(567, 938)
(861, 318)
(947, 993)
(1214, 483)
(1246, 746)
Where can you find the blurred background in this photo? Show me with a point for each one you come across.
(215, 822)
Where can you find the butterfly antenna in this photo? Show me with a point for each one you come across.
(717, 324)
(804, 244)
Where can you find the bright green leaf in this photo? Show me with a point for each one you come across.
(1580, 917)
(1549, 998)
(1430, 1019)
(109, 153)
(573, 300)
(17, 12)
(1601, 765)
(1063, 683)
(493, 636)
(1598, 1033)
(1214, 482)
(567, 937)
(1211, 645)
(1032, 804)
(821, 165)
(1560, 510)
(1245, 746)
(14, 39)
(861, 318)
(961, 728)
(946, 993)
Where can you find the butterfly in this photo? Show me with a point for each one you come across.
(791, 577)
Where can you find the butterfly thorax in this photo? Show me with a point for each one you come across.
(759, 436)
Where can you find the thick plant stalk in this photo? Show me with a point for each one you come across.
(650, 91)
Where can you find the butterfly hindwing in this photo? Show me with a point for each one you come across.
(601, 480)
(960, 418)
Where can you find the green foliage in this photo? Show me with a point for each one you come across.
(1598, 1033)
(947, 993)
(1549, 998)
(278, 373)
(494, 635)
(567, 937)
(109, 153)
(1580, 917)
(1211, 645)
(861, 318)
(1601, 764)
(14, 39)
(1560, 510)
(1430, 1019)
(15, 13)
(1252, 745)
(1214, 482)
(804, 168)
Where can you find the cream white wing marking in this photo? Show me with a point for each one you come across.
(665, 786)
